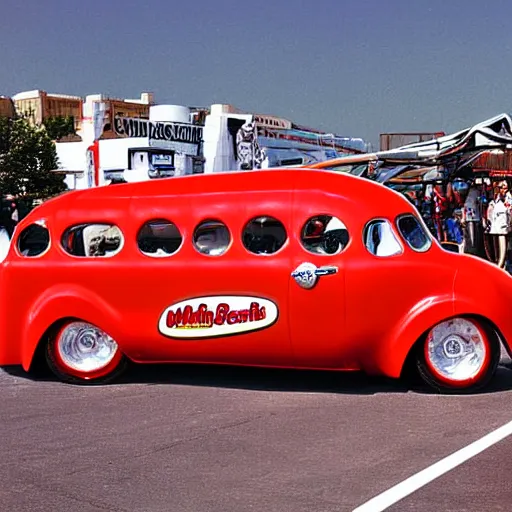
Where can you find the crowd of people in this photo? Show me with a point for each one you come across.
(475, 215)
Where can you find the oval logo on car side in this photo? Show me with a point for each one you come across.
(222, 315)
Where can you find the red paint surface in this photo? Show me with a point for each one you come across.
(367, 316)
(95, 150)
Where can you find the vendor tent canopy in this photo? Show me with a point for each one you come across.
(451, 152)
(495, 133)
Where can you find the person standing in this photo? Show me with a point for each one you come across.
(499, 221)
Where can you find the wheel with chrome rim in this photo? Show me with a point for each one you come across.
(80, 352)
(458, 355)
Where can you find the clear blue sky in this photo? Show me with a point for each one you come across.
(358, 68)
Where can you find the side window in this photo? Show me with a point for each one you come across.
(159, 237)
(33, 240)
(414, 233)
(324, 234)
(264, 235)
(212, 237)
(92, 240)
(380, 239)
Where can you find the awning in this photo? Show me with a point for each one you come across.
(494, 133)
(418, 161)
(449, 153)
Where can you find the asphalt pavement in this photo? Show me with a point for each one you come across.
(208, 439)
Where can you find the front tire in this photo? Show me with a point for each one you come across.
(81, 353)
(459, 355)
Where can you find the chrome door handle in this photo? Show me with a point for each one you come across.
(326, 270)
(307, 274)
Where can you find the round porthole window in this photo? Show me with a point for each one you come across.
(324, 234)
(159, 237)
(33, 240)
(264, 235)
(212, 237)
(92, 240)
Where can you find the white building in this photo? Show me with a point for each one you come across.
(166, 144)
(276, 141)
(171, 143)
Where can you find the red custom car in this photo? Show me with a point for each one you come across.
(282, 268)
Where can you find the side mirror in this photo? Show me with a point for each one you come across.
(450, 246)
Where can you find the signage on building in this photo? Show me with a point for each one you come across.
(265, 121)
(181, 137)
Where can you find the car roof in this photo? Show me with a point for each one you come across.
(376, 199)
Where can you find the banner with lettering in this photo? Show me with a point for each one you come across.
(181, 137)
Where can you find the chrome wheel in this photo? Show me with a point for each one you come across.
(457, 350)
(85, 348)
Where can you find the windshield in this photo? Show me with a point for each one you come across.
(414, 233)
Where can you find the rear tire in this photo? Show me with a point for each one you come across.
(81, 353)
(459, 355)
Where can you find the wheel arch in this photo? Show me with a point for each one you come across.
(491, 328)
(37, 359)
(393, 353)
(58, 305)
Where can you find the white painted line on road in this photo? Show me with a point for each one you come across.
(415, 482)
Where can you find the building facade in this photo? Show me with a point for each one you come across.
(114, 108)
(234, 139)
(136, 139)
(38, 106)
(127, 140)
(6, 107)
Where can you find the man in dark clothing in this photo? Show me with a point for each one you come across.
(7, 207)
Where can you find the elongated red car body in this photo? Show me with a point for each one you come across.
(255, 275)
